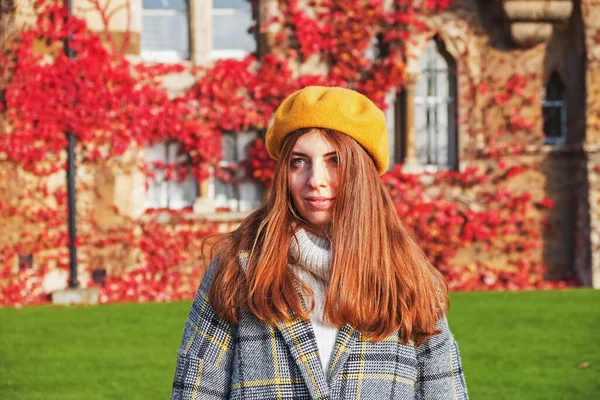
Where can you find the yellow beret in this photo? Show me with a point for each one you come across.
(343, 110)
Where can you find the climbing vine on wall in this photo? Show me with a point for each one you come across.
(114, 105)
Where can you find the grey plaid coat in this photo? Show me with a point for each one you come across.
(252, 360)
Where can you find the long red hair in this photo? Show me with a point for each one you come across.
(381, 281)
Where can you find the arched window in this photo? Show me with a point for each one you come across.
(174, 193)
(435, 107)
(165, 35)
(433, 102)
(554, 108)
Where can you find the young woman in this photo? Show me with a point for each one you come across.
(321, 293)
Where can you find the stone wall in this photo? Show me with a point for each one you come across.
(484, 53)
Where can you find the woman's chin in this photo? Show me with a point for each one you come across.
(318, 224)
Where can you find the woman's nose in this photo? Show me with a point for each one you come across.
(318, 175)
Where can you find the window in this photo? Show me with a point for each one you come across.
(554, 109)
(435, 108)
(379, 49)
(181, 189)
(432, 101)
(392, 100)
(165, 33)
(235, 196)
(231, 20)
(25, 261)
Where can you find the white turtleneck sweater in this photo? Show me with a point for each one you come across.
(314, 266)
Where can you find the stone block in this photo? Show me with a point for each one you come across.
(75, 296)
(527, 34)
(124, 13)
(523, 10)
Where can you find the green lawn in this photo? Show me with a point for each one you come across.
(514, 346)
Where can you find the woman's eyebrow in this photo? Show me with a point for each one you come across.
(297, 153)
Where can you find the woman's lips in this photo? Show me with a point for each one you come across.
(319, 203)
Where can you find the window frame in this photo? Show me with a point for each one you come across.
(402, 119)
(561, 105)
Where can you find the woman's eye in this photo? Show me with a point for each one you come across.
(335, 160)
(297, 161)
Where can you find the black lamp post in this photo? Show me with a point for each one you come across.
(73, 282)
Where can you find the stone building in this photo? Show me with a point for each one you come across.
(435, 123)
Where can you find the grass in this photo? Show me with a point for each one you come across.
(524, 345)
(529, 345)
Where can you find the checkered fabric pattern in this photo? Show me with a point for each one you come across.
(252, 360)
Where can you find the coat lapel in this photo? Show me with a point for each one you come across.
(302, 344)
(300, 340)
(345, 341)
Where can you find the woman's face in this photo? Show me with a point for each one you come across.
(313, 178)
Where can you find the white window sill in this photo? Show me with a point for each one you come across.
(236, 54)
(415, 169)
(165, 57)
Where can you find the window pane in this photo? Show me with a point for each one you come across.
(165, 32)
(176, 155)
(390, 113)
(230, 149)
(237, 197)
(177, 5)
(552, 121)
(241, 4)
(182, 194)
(156, 195)
(441, 140)
(421, 133)
(163, 193)
(157, 152)
(225, 191)
(230, 29)
(555, 111)
(433, 103)
(250, 195)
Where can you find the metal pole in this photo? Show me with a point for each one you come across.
(73, 282)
